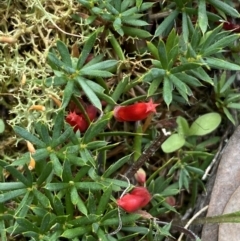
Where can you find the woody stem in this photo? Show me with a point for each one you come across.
(145, 155)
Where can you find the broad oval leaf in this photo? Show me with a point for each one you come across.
(205, 124)
(173, 143)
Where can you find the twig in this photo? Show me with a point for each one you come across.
(191, 220)
(145, 156)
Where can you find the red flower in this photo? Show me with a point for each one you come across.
(78, 121)
(138, 198)
(231, 26)
(135, 112)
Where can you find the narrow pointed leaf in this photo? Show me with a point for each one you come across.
(116, 166)
(221, 64)
(167, 91)
(27, 225)
(167, 22)
(67, 94)
(202, 16)
(11, 194)
(162, 54)
(77, 201)
(104, 200)
(86, 50)
(89, 92)
(58, 125)
(28, 136)
(63, 50)
(226, 8)
(45, 173)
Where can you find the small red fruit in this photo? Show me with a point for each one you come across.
(135, 112)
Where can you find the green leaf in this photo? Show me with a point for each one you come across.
(45, 173)
(154, 86)
(208, 39)
(195, 170)
(221, 64)
(42, 199)
(136, 32)
(188, 79)
(86, 50)
(219, 45)
(229, 115)
(153, 73)
(28, 136)
(202, 16)
(107, 64)
(116, 166)
(40, 154)
(185, 67)
(205, 124)
(126, 219)
(234, 105)
(76, 232)
(201, 74)
(134, 22)
(18, 175)
(58, 125)
(185, 30)
(27, 225)
(2, 126)
(153, 50)
(63, 50)
(117, 25)
(45, 224)
(125, 4)
(183, 127)
(64, 137)
(167, 22)
(67, 94)
(181, 86)
(225, 8)
(43, 132)
(56, 186)
(227, 84)
(162, 54)
(96, 127)
(76, 200)
(12, 194)
(57, 167)
(167, 91)
(89, 93)
(91, 218)
(173, 143)
(57, 64)
(88, 186)
(104, 200)
(116, 46)
(195, 39)
(58, 206)
(6, 186)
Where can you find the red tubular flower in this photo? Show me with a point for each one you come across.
(77, 121)
(135, 112)
(231, 26)
(138, 198)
